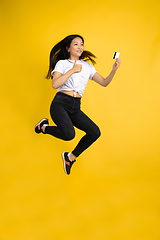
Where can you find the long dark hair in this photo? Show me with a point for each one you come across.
(59, 52)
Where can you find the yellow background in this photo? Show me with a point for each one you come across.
(113, 190)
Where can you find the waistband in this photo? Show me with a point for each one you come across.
(67, 96)
(67, 101)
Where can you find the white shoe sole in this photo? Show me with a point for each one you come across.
(40, 122)
(64, 162)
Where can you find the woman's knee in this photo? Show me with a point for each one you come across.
(69, 136)
(96, 132)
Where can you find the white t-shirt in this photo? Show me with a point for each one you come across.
(77, 81)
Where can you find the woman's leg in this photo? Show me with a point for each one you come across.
(83, 122)
(64, 129)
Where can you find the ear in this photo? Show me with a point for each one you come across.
(68, 49)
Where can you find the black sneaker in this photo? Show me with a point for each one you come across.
(38, 127)
(67, 163)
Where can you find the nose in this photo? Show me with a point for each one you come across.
(80, 45)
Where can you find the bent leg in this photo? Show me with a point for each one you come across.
(83, 122)
(64, 129)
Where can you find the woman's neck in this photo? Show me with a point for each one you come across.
(73, 58)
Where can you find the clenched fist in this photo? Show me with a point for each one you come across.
(77, 67)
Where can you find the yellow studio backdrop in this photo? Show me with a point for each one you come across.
(113, 190)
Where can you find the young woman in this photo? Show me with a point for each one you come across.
(70, 72)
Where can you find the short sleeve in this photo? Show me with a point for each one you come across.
(58, 67)
(92, 71)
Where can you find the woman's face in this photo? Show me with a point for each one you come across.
(76, 48)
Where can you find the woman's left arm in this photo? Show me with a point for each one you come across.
(105, 81)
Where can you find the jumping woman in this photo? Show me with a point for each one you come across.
(70, 70)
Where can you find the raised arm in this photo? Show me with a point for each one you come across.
(59, 79)
(105, 81)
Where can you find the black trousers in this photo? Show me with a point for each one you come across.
(66, 113)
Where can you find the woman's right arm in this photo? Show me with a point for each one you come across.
(59, 79)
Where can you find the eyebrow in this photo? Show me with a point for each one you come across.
(77, 42)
